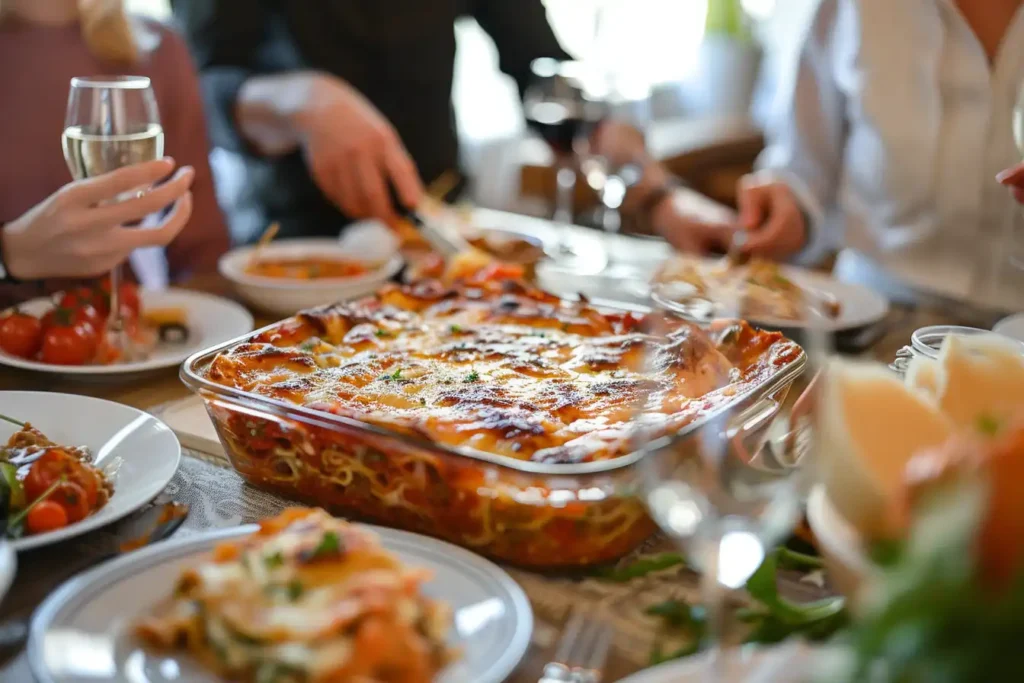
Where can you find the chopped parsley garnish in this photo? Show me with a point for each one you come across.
(330, 544)
(456, 329)
(396, 375)
(988, 425)
(381, 333)
(274, 560)
(472, 377)
(294, 590)
(309, 344)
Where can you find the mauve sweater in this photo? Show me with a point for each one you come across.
(37, 64)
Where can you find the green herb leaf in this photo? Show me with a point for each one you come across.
(989, 425)
(641, 567)
(16, 524)
(455, 329)
(274, 560)
(295, 590)
(382, 333)
(396, 375)
(791, 559)
(472, 377)
(330, 544)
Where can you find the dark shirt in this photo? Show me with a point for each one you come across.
(399, 53)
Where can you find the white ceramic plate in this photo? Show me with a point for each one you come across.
(1012, 327)
(791, 662)
(8, 565)
(138, 452)
(82, 632)
(285, 297)
(860, 306)
(211, 320)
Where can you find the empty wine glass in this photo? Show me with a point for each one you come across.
(726, 496)
(111, 122)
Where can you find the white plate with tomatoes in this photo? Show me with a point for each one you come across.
(57, 492)
(62, 334)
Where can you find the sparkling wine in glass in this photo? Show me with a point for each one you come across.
(111, 122)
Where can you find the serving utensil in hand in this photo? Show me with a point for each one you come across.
(446, 242)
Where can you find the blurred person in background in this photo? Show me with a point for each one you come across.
(885, 143)
(52, 228)
(333, 103)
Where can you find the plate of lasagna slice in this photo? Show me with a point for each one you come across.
(766, 293)
(302, 598)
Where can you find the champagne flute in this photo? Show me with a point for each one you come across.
(725, 496)
(1017, 229)
(111, 122)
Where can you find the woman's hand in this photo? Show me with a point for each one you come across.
(771, 215)
(78, 230)
(1013, 178)
(354, 153)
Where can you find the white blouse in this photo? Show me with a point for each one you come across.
(891, 131)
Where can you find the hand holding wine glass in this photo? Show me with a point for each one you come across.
(112, 122)
(79, 230)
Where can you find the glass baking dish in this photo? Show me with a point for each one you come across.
(546, 516)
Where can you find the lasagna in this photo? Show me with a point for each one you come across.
(489, 369)
(501, 369)
(306, 599)
(758, 289)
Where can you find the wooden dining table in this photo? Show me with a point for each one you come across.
(623, 604)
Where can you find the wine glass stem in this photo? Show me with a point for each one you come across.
(114, 323)
(566, 186)
(713, 595)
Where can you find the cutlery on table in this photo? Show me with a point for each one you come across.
(581, 652)
(161, 520)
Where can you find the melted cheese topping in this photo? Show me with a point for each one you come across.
(516, 373)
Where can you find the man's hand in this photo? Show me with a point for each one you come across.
(354, 153)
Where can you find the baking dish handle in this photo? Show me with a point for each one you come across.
(747, 436)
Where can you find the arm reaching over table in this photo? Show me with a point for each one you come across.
(263, 102)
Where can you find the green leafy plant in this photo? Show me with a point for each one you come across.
(726, 18)
(770, 617)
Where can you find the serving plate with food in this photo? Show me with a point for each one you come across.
(486, 412)
(64, 334)
(766, 293)
(70, 464)
(303, 597)
(287, 275)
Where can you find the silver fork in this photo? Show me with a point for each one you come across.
(582, 651)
